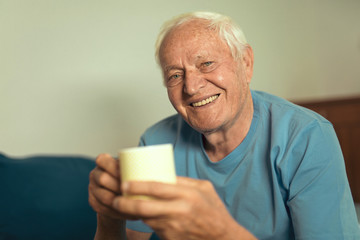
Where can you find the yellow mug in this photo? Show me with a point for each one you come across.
(147, 163)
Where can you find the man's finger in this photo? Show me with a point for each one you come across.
(186, 181)
(108, 164)
(106, 180)
(152, 189)
(103, 196)
(107, 210)
(148, 208)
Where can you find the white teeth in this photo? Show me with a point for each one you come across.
(205, 101)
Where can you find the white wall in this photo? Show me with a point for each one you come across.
(79, 77)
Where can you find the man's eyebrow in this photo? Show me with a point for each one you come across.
(171, 67)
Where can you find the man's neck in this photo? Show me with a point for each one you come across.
(221, 143)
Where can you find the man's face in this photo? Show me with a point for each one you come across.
(206, 86)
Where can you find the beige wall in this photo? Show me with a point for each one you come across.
(79, 77)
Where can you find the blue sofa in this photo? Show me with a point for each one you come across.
(45, 197)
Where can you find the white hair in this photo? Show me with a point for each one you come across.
(227, 30)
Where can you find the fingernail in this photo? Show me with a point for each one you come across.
(115, 203)
(124, 187)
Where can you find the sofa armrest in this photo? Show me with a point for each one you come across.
(45, 197)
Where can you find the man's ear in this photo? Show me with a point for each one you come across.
(247, 60)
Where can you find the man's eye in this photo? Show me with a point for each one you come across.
(206, 64)
(174, 80)
(175, 76)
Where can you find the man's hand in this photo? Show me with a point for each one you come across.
(104, 186)
(191, 209)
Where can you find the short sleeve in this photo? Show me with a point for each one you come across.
(320, 201)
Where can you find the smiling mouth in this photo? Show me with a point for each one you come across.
(205, 101)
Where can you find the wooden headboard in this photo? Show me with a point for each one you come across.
(344, 114)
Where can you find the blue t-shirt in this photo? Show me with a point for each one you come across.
(286, 180)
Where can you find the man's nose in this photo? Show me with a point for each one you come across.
(194, 81)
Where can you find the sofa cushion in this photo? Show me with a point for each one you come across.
(45, 197)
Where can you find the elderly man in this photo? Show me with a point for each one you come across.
(252, 165)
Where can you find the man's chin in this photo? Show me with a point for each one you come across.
(202, 124)
(205, 128)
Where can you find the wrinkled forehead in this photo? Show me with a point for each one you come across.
(190, 30)
(190, 36)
